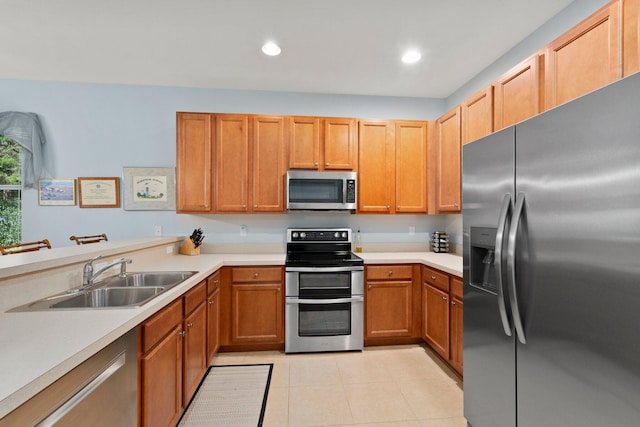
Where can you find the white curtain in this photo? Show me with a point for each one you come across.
(25, 129)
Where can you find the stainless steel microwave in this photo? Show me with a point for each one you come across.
(317, 190)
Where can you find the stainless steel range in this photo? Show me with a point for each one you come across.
(324, 292)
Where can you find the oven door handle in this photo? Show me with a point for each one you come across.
(322, 269)
(291, 300)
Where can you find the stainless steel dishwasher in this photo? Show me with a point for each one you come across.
(102, 391)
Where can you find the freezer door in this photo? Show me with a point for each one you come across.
(578, 261)
(489, 353)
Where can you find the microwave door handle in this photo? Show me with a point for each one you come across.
(344, 192)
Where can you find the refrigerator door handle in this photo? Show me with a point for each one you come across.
(505, 212)
(511, 267)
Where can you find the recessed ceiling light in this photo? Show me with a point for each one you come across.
(271, 49)
(411, 57)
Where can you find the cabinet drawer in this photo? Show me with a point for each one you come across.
(155, 328)
(456, 287)
(391, 271)
(436, 278)
(195, 297)
(256, 274)
(213, 282)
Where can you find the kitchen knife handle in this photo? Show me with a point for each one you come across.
(505, 212)
(511, 267)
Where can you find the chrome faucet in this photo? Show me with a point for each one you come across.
(88, 275)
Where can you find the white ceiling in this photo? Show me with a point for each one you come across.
(328, 46)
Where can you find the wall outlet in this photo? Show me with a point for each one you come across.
(157, 230)
(243, 230)
(412, 230)
(169, 249)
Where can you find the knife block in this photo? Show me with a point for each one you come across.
(188, 248)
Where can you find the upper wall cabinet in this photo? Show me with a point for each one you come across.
(322, 143)
(393, 167)
(448, 162)
(585, 58)
(248, 157)
(193, 161)
(519, 93)
(477, 115)
(631, 36)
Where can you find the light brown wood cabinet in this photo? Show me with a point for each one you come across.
(268, 160)
(448, 162)
(631, 36)
(477, 115)
(161, 345)
(193, 161)
(231, 172)
(584, 58)
(393, 167)
(173, 358)
(322, 143)
(442, 310)
(519, 93)
(456, 325)
(213, 315)
(257, 305)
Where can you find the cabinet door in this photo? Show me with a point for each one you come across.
(304, 142)
(519, 93)
(376, 150)
(449, 160)
(195, 351)
(232, 163)
(257, 313)
(268, 163)
(161, 382)
(435, 309)
(411, 167)
(456, 334)
(388, 309)
(584, 58)
(193, 162)
(213, 324)
(477, 115)
(340, 144)
(631, 36)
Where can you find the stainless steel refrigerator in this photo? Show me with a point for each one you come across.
(551, 224)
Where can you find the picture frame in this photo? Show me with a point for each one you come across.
(149, 188)
(99, 192)
(57, 192)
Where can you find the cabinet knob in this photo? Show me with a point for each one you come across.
(369, 286)
(182, 333)
(390, 272)
(255, 275)
(278, 289)
(244, 206)
(433, 277)
(326, 164)
(211, 302)
(189, 325)
(456, 205)
(388, 207)
(453, 303)
(444, 298)
(315, 164)
(206, 206)
(216, 281)
(398, 207)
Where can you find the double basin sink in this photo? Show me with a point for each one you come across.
(132, 290)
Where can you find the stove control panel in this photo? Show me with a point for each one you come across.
(319, 235)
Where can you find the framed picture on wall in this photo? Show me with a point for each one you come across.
(149, 189)
(57, 192)
(99, 192)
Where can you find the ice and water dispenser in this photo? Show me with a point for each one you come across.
(482, 270)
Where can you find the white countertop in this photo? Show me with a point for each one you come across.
(40, 347)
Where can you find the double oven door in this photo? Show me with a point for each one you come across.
(324, 309)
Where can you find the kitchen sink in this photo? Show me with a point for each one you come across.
(109, 297)
(148, 279)
(133, 290)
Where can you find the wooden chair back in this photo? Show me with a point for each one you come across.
(25, 247)
(83, 240)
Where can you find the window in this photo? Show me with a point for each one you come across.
(10, 192)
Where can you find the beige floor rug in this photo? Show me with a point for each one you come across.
(230, 396)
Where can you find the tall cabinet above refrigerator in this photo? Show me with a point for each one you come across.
(551, 225)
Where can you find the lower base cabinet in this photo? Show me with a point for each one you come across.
(173, 357)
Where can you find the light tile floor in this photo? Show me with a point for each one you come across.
(404, 386)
